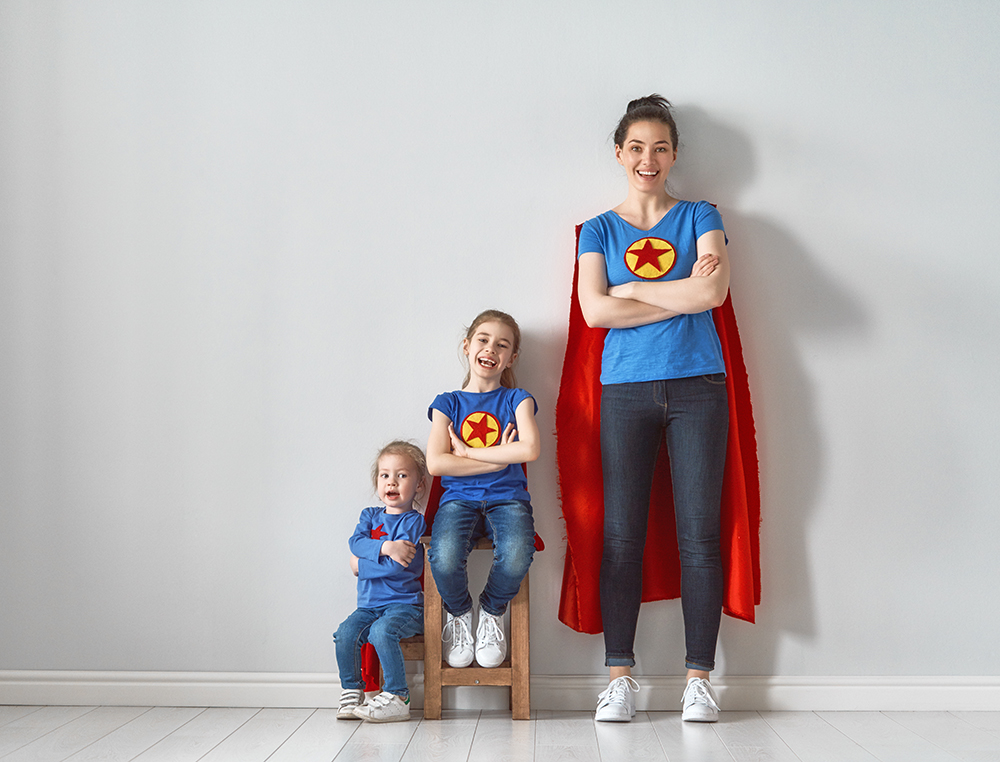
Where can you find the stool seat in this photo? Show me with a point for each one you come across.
(514, 672)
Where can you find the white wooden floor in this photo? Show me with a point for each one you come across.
(110, 734)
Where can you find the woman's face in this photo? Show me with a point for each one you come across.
(648, 155)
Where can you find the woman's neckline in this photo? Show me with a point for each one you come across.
(676, 203)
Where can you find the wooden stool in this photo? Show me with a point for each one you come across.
(515, 671)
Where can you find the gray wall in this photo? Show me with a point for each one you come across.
(239, 241)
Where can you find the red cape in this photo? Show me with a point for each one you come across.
(578, 456)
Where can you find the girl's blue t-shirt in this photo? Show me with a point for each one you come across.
(480, 419)
(682, 346)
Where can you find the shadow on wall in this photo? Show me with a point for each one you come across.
(780, 297)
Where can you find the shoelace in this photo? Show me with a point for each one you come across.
(490, 632)
(617, 692)
(458, 632)
(697, 693)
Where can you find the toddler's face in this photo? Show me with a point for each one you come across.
(398, 481)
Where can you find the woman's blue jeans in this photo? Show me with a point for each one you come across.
(383, 627)
(457, 526)
(692, 416)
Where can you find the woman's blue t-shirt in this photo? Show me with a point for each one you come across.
(682, 346)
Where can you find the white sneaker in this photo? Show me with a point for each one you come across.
(350, 699)
(617, 703)
(491, 648)
(699, 702)
(457, 635)
(385, 707)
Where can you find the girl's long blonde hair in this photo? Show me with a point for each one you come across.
(507, 377)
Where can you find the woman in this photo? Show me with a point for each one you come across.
(651, 270)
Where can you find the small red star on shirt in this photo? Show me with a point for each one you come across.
(378, 534)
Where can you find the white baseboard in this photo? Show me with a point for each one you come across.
(814, 694)
(554, 692)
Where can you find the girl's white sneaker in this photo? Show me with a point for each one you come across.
(491, 648)
(460, 646)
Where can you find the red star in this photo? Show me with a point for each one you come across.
(647, 255)
(378, 534)
(480, 429)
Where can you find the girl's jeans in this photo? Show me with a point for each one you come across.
(457, 526)
(383, 627)
(692, 414)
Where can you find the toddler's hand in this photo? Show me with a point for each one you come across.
(400, 551)
(354, 564)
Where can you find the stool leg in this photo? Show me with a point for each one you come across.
(520, 655)
(432, 647)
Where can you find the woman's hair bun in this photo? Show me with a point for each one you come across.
(651, 108)
(655, 100)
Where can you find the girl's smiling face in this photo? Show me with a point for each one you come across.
(647, 155)
(398, 482)
(490, 350)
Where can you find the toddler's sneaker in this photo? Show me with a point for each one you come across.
(350, 700)
(385, 707)
(459, 643)
(617, 703)
(699, 702)
(491, 648)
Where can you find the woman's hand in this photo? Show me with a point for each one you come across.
(622, 291)
(705, 266)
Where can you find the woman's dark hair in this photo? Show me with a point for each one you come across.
(652, 108)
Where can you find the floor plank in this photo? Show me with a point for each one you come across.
(500, 739)
(988, 721)
(76, 735)
(446, 740)
(748, 737)
(566, 736)
(318, 739)
(198, 737)
(689, 741)
(628, 741)
(140, 734)
(11, 713)
(888, 741)
(952, 733)
(258, 738)
(380, 742)
(31, 727)
(813, 739)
